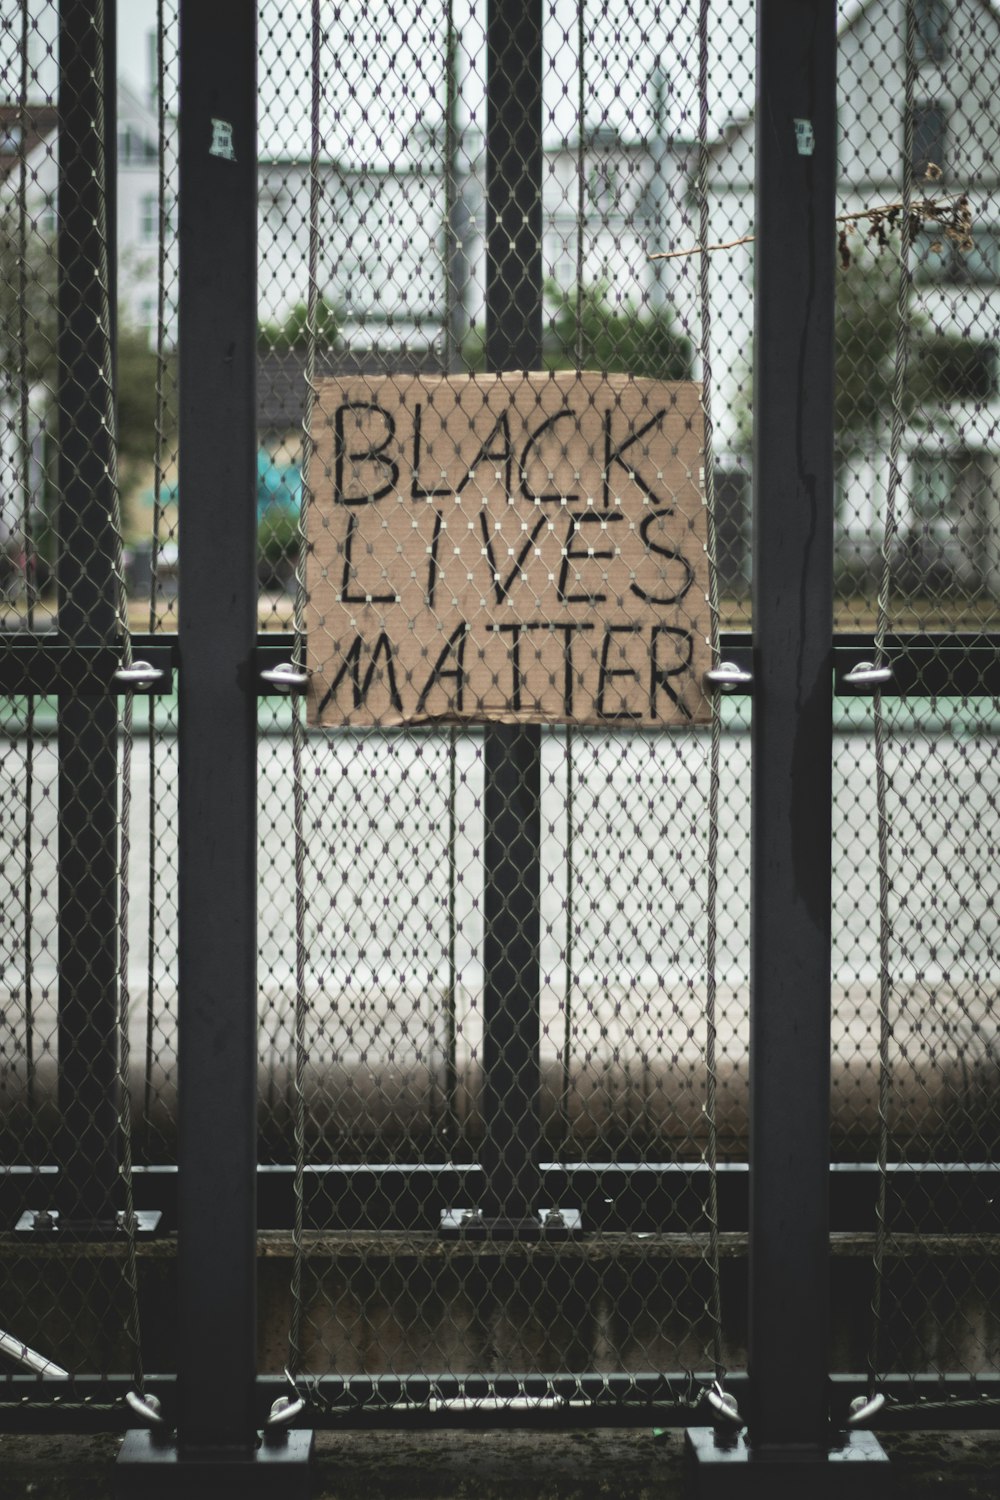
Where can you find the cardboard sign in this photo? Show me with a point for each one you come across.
(508, 547)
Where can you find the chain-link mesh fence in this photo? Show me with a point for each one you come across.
(378, 174)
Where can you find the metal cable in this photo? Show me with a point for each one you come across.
(711, 935)
(450, 351)
(130, 1269)
(154, 557)
(298, 730)
(567, 1050)
(30, 560)
(881, 627)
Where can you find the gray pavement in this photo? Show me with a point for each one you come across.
(505, 1466)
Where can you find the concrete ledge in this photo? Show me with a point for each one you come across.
(723, 1466)
(148, 1469)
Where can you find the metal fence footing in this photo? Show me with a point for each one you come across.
(723, 1466)
(148, 1468)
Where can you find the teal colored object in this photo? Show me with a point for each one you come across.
(278, 485)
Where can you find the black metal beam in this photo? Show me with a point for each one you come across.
(953, 664)
(512, 753)
(88, 611)
(49, 669)
(217, 787)
(92, 1403)
(924, 1197)
(789, 1336)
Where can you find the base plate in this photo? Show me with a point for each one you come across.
(149, 1468)
(722, 1465)
(46, 1224)
(546, 1224)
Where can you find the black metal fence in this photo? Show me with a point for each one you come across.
(536, 1071)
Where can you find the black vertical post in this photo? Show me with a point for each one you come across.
(512, 753)
(792, 723)
(88, 612)
(217, 855)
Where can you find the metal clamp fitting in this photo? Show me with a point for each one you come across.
(867, 674)
(284, 1411)
(140, 676)
(724, 1408)
(146, 1407)
(287, 678)
(863, 1407)
(727, 676)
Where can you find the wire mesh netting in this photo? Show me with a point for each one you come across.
(387, 1084)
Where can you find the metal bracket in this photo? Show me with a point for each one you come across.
(148, 1408)
(727, 677)
(284, 1412)
(45, 1223)
(286, 678)
(864, 1407)
(547, 1224)
(725, 1412)
(140, 677)
(867, 674)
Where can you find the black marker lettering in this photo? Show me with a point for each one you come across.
(351, 567)
(660, 676)
(352, 665)
(503, 589)
(488, 454)
(576, 520)
(608, 674)
(671, 555)
(569, 628)
(454, 646)
(432, 566)
(373, 454)
(514, 631)
(416, 491)
(532, 443)
(616, 455)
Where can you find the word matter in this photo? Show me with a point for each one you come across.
(521, 548)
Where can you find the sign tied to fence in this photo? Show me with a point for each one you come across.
(507, 547)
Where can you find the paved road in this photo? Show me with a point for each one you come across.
(624, 885)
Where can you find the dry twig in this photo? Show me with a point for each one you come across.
(951, 213)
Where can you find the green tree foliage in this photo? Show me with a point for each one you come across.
(589, 331)
(293, 333)
(616, 340)
(27, 304)
(29, 357)
(940, 368)
(138, 373)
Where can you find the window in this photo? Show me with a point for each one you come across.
(147, 319)
(955, 369)
(134, 147)
(933, 486)
(149, 222)
(938, 259)
(930, 19)
(47, 217)
(604, 188)
(930, 125)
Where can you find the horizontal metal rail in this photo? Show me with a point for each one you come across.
(924, 665)
(619, 1197)
(91, 1403)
